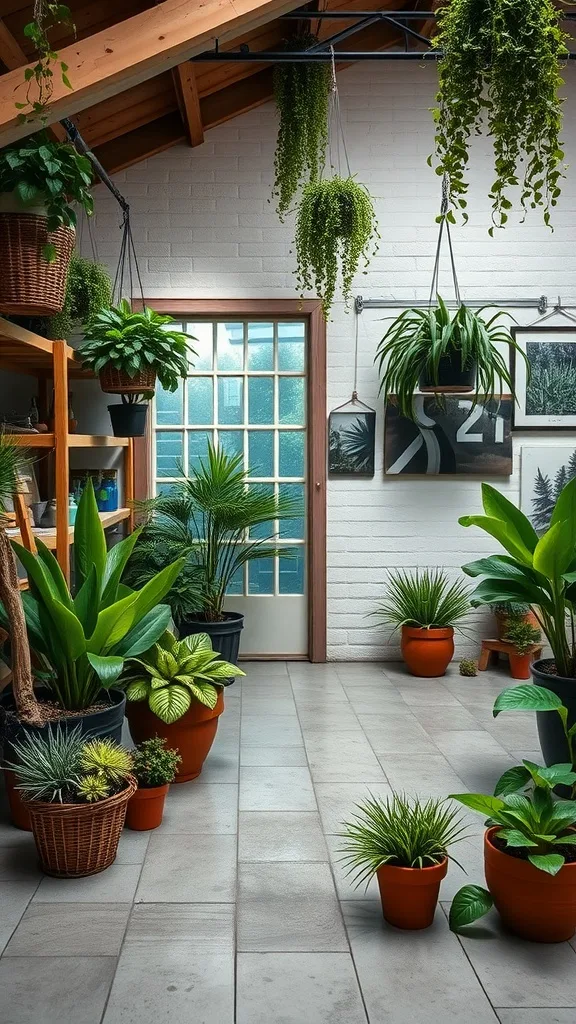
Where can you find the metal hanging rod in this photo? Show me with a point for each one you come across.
(541, 303)
(101, 173)
(301, 15)
(305, 56)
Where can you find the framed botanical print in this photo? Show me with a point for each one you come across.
(351, 443)
(545, 382)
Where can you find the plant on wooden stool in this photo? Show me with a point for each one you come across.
(404, 842)
(468, 667)
(522, 636)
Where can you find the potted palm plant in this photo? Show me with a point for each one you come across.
(154, 768)
(129, 350)
(540, 571)
(76, 792)
(174, 691)
(435, 351)
(81, 642)
(404, 842)
(40, 181)
(426, 607)
(529, 855)
(210, 519)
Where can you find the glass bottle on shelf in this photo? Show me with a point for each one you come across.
(33, 414)
(72, 510)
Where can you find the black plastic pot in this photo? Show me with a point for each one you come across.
(225, 636)
(107, 722)
(451, 375)
(550, 731)
(128, 419)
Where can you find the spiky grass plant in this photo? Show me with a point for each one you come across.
(398, 830)
(418, 339)
(48, 765)
(468, 667)
(335, 228)
(105, 758)
(424, 598)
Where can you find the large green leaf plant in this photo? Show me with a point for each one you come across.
(84, 640)
(174, 672)
(538, 570)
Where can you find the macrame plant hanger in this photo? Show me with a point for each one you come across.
(127, 270)
(337, 150)
(444, 225)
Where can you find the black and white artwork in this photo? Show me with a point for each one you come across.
(544, 471)
(546, 387)
(450, 435)
(351, 443)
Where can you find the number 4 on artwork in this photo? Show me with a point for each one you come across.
(463, 433)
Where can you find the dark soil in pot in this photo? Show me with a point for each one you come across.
(128, 419)
(225, 636)
(550, 731)
(451, 375)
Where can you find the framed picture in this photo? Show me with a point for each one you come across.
(544, 471)
(351, 443)
(450, 436)
(547, 400)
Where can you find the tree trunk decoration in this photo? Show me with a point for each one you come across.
(26, 703)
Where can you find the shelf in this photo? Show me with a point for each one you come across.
(24, 352)
(48, 537)
(74, 441)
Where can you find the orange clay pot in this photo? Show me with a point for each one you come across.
(531, 903)
(409, 895)
(192, 735)
(427, 652)
(18, 807)
(146, 808)
(520, 665)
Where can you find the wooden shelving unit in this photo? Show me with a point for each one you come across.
(21, 351)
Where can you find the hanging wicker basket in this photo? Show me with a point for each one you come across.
(116, 382)
(74, 840)
(29, 284)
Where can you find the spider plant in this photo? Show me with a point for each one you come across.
(425, 599)
(420, 341)
(218, 523)
(398, 830)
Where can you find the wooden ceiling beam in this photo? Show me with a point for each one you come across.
(139, 48)
(189, 101)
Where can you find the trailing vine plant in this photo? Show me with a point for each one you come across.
(39, 80)
(501, 63)
(301, 92)
(88, 292)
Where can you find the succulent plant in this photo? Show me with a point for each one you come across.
(468, 667)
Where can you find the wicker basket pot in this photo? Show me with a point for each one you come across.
(74, 840)
(29, 285)
(116, 382)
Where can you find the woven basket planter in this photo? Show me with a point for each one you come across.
(116, 382)
(29, 285)
(74, 840)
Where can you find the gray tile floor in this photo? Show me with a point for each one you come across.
(237, 910)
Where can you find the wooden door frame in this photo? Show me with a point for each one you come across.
(311, 309)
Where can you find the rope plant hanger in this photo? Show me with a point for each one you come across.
(336, 225)
(351, 430)
(433, 350)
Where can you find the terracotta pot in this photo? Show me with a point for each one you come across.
(520, 665)
(18, 807)
(503, 621)
(146, 808)
(531, 903)
(427, 652)
(409, 895)
(192, 735)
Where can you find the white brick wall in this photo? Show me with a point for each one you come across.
(204, 226)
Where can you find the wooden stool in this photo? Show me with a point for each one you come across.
(497, 647)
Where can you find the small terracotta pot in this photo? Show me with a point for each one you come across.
(192, 735)
(520, 666)
(427, 652)
(18, 807)
(146, 808)
(531, 903)
(410, 895)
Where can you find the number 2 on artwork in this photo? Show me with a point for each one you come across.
(464, 434)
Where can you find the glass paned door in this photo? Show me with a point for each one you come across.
(246, 391)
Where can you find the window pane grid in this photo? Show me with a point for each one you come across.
(226, 388)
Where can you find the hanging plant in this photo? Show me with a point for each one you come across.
(501, 60)
(88, 292)
(39, 79)
(335, 227)
(301, 92)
